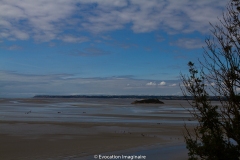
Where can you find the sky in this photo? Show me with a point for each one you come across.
(101, 47)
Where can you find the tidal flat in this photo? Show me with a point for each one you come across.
(79, 128)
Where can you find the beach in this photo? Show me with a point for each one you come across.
(83, 128)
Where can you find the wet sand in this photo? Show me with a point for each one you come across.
(81, 128)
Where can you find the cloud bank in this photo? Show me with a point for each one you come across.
(46, 20)
(13, 84)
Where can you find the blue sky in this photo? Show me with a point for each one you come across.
(93, 47)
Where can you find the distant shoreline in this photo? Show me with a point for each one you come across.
(213, 98)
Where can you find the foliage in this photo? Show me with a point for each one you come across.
(217, 135)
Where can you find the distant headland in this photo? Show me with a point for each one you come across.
(124, 96)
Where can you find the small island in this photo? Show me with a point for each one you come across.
(148, 101)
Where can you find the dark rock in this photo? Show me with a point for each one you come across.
(148, 101)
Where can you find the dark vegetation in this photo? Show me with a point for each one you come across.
(148, 101)
(217, 135)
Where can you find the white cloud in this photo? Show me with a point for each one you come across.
(151, 84)
(189, 43)
(22, 35)
(46, 20)
(40, 19)
(14, 47)
(212, 84)
(162, 83)
(146, 16)
(73, 39)
(173, 85)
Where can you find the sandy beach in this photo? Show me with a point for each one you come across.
(82, 128)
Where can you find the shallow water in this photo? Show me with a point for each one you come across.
(93, 110)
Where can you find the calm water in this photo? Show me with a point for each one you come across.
(93, 110)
